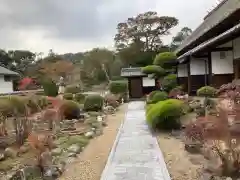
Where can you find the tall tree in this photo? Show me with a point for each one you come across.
(145, 30)
(180, 37)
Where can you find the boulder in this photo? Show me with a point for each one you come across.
(2, 157)
(193, 148)
(89, 134)
(74, 148)
(9, 152)
(56, 152)
(23, 149)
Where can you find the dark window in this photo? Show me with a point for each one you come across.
(7, 78)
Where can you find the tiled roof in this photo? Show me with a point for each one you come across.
(221, 12)
(221, 37)
(6, 71)
(130, 72)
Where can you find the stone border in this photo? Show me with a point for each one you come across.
(112, 152)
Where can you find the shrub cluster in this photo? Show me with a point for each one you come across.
(50, 88)
(169, 82)
(157, 96)
(70, 109)
(93, 103)
(73, 89)
(165, 114)
(68, 96)
(80, 98)
(207, 91)
(118, 87)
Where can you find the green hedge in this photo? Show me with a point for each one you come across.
(50, 88)
(153, 69)
(158, 96)
(118, 87)
(93, 103)
(80, 98)
(169, 82)
(73, 89)
(70, 109)
(68, 96)
(165, 114)
(207, 91)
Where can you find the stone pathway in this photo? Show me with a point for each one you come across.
(135, 154)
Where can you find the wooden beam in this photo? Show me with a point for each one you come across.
(189, 75)
(209, 68)
(222, 49)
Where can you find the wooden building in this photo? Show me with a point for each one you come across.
(139, 84)
(211, 54)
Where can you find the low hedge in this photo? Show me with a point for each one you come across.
(93, 103)
(70, 109)
(207, 91)
(80, 98)
(73, 89)
(68, 96)
(165, 114)
(158, 96)
(118, 87)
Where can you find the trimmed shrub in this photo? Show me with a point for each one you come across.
(165, 114)
(118, 87)
(93, 103)
(175, 92)
(112, 100)
(207, 91)
(79, 97)
(159, 96)
(162, 58)
(6, 107)
(50, 88)
(70, 109)
(153, 69)
(73, 89)
(169, 82)
(68, 96)
(150, 96)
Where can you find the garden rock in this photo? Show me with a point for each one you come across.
(2, 157)
(56, 152)
(72, 155)
(89, 134)
(74, 148)
(32, 172)
(193, 148)
(51, 172)
(23, 149)
(9, 152)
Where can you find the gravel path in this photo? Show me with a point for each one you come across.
(181, 164)
(92, 160)
(135, 154)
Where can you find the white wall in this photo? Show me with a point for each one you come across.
(222, 66)
(228, 44)
(197, 66)
(148, 82)
(5, 87)
(236, 48)
(182, 70)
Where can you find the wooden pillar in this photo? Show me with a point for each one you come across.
(189, 75)
(210, 78)
(236, 69)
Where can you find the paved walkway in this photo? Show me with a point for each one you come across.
(135, 154)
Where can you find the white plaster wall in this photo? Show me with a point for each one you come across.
(148, 82)
(5, 87)
(182, 70)
(197, 66)
(236, 48)
(222, 66)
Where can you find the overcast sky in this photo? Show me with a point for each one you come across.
(78, 25)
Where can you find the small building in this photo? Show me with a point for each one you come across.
(139, 84)
(211, 54)
(6, 80)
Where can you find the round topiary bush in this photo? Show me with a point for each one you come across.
(162, 58)
(70, 109)
(154, 69)
(159, 96)
(169, 82)
(79, 97)
(68, 96)
(207, 91)
(93, 103)
(73, 89)
(165, 114)
(118, 87)
(50, 88)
